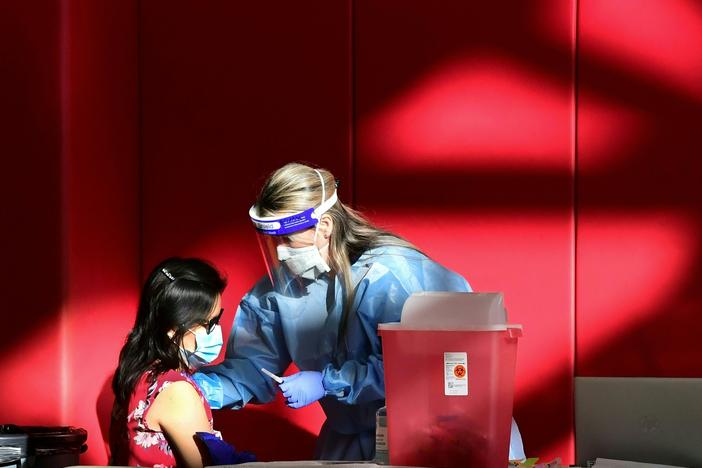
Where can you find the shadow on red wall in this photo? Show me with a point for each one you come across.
(31, 233)
(242, 82)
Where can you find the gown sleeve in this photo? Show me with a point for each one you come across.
(256, 341)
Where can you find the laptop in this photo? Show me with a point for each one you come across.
(642, 419)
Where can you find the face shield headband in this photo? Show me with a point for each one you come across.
(282, 226)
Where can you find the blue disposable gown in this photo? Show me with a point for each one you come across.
(272, 330)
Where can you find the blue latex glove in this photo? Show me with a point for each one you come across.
(222, 453)
(303, 388)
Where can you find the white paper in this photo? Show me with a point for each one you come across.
(607, 463)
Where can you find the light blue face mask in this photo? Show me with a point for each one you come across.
(207, 347)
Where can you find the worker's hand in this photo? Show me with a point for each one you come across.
(303, 388)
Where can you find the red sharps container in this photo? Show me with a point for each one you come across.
(449, 381)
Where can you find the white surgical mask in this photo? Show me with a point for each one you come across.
(306, 262)
(207, 347)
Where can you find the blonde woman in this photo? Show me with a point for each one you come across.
(332, 278)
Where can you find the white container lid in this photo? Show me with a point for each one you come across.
(453, 311)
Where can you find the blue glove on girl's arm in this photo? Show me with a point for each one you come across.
(303, 388)
(222, 453)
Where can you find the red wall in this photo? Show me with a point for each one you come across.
(100, 205)
(247, 91)
(639, 197)
(545, 149)
(31, 213)
(464, 146)
(71, 226)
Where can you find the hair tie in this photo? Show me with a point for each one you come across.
(168, 274)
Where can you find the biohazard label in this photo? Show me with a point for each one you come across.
(455, 374)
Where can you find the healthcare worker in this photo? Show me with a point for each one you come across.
(332, 278)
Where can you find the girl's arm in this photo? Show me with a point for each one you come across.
(180, 413)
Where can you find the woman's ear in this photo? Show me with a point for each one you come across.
(326, 226)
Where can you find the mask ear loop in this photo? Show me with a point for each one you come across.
(324, 198)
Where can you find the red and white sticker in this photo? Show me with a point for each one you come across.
(456, 374)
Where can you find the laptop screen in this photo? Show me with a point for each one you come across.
(652, 420)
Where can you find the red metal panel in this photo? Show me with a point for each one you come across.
(464, 146)
(231, 91)
(31, 218)
(100, 206)
(71, 270)
(639, 201)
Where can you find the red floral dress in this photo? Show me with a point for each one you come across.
(148, 447)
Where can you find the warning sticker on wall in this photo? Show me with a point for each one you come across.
(456, 374)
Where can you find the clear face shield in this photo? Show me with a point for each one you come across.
(288, 246)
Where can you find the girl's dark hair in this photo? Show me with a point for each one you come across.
(178, 295)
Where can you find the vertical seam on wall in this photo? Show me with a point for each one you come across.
(576, 31)
(64, 206)
(352, 85)
(140, 145)
(574, 254)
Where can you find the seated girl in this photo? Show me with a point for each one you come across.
(158, 407)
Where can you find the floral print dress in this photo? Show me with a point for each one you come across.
(148, 447)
